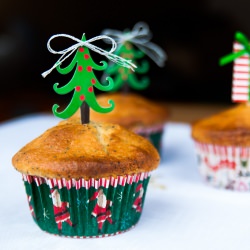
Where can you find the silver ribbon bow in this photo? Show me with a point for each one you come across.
(139, 36)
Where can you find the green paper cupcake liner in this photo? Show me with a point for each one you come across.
(86, 208)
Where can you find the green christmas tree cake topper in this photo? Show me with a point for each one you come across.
(133, 45)
(84, 80)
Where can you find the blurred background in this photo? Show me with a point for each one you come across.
(194, 35)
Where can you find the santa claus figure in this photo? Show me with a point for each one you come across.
(137, 205)
(61, 212)
(102, 208)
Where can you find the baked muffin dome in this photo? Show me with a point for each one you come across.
(94, 150)
(230, 127)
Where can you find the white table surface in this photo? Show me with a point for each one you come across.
(180, 211)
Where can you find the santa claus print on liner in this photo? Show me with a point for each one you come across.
(137, 205)
(102, 209)
(60, 207)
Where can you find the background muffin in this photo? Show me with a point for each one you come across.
(223, 147)
(86, 180)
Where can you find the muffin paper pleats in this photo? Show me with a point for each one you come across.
(148, 130)
(86, 208)
(224, 166)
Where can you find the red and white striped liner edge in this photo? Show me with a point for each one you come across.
(223, 151)
(102, 182)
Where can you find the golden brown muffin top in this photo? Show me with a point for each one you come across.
(227, 128)
(131, 111)
(94, 150)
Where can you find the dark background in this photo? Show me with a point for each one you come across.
(194, 35)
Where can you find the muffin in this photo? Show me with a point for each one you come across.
(86, 180)
(222, 143)
(134, 112)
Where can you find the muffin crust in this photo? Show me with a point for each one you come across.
(94, 150)
(230, 127)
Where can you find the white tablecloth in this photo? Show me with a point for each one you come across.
(180, 211)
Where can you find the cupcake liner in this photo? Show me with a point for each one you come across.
(153, 134)
(224, 166)
(86, 208)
